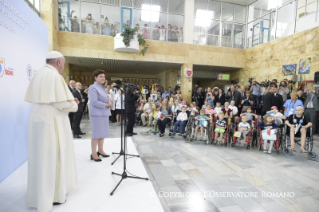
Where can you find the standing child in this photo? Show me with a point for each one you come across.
(267, 126)
(220, 127)
(201, 118)
(244, 128)
(180, 121)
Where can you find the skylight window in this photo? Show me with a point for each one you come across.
(150, 13)
(203, 18)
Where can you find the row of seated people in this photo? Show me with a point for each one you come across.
(220, 117)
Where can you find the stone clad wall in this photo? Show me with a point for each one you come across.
(265, 61)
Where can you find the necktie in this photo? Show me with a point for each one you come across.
(80, 94)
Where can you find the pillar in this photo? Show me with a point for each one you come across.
(66, 73)
(49, 15)
(186, 83)
(189, 21)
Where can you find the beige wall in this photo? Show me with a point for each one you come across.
(265, 61)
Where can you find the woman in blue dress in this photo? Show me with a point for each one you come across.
(100, 105)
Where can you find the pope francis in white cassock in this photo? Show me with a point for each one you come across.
(51, 163)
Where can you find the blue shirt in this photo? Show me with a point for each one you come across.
(256, 91)
(164, 95)
(291, 107)
(210, 101)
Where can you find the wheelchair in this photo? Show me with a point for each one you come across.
(308, 145)
(207, 130)
(250, 133)
(226, 136)
(174, 120)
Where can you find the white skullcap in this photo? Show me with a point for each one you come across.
(54, 55)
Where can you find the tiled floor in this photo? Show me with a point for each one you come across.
(208, 172)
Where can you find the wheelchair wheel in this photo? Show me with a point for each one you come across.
(184, 136)
(232, 144)
(254, 139)
(312, 155)
(248, 147)
(286, 151)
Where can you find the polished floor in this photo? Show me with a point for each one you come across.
(95, 183)
(266, 182)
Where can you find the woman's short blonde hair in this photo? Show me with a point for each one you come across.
(294, 93)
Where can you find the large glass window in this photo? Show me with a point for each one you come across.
(239, 36)
(267, 30)
(227, 12)
(90, 18)
(227, 34)
(240, 14)
(286, 20)
(110, 20)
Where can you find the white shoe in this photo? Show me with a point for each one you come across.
(269, 152)
(265, 151)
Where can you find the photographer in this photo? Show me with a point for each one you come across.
(199, 97)
(255, 88)
(132, 97)
(283, 90)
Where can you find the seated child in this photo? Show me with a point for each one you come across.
(205, 105)
(298, 128)
(218, 108)
(201, 118)
(220, 127)
(192, 108)
(228, 112)
(244, 128)
(209, 111)
(181, 120)
(266, 126)
(249, 115)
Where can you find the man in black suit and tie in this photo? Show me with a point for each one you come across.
(312, 107)
(132, 97)
(235, 95)
(77, 116)
(279, 102)
(71, 88)
(269, 100)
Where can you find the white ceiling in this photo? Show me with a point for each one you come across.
(122, 66)
(240, 2)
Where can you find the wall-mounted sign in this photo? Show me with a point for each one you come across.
(223, 77)
(188, 73)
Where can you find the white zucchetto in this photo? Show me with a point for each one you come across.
(54, 55)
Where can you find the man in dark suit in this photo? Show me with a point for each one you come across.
(84, 93)
(312, 107)
(269, 100)
(132, 97)
(279, 102)
(77, 116)
(235, 95)
(71, 88)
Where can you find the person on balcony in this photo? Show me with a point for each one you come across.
(146, 32)
(169, 32)
(106, 27)
(75, 26)
(156, 33)
(162, 33)
(89, 24)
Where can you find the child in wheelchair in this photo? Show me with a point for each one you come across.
(209, 111)
(243, 129)
(250, 116)
(269, 132)
(220, 128)
(201, 118)
(298, 125)
(181, 120)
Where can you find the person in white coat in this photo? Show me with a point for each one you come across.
(51, 162)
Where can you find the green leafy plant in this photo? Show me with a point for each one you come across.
(128, 34)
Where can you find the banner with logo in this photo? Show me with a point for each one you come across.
(24, 45)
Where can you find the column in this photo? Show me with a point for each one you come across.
(186, 83)
(66, 73)
(189, 21)
(49, 15)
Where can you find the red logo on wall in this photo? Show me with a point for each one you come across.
(2, 67)
(188, 73)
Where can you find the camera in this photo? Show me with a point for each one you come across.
(250, 80)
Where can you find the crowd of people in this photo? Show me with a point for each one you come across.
(89, 26)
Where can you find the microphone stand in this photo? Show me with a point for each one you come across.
(123, 136)
(123, 146)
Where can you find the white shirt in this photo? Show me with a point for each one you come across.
(234, 109)
(218, 110)
(118, 100)
(113, 94)
(147, 107)
(278, 114)
(182, 116)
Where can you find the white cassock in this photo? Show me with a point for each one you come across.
(51, 163)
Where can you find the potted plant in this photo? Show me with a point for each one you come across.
(129, 35)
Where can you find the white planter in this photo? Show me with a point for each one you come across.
(119, 45)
